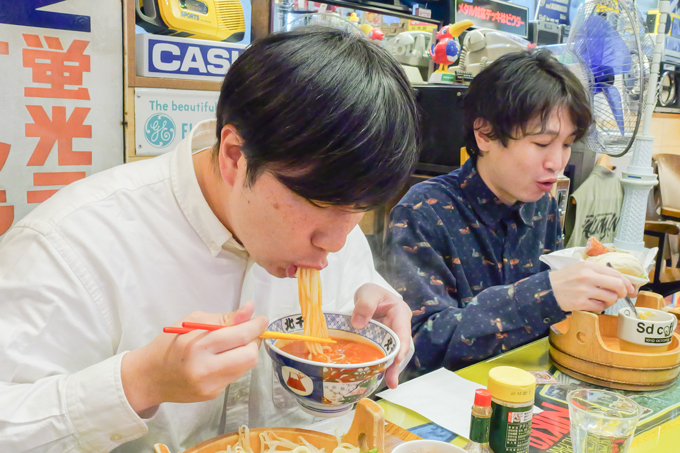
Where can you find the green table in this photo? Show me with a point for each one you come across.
(658, 431)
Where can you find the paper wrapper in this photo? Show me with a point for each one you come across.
(567, 257)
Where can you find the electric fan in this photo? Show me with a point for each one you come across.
(611, 54)
(611, 48)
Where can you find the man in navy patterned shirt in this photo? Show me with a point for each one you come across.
(463, 249)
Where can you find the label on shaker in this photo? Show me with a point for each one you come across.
(510, 428)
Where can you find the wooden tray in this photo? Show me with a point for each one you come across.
(367, 431)
(586, 346)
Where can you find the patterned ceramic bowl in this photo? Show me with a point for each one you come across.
(326, 389)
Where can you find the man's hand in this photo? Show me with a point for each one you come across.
(589, 286)
(373, 301)
(195, 366)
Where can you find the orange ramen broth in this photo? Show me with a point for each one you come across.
(345, 351)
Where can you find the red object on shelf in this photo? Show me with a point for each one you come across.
(376, 34)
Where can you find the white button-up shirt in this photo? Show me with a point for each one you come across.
(98, 270)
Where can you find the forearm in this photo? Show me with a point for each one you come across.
(497, 319)
(82, 412)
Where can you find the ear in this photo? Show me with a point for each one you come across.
(230, 155)
(482, 130)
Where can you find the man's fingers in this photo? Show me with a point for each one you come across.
(628, 287)
(239, 316)
(235, 336)
(604, 296)
(237, 361)
(366, 300)
(596, 306)
(400, 322)
(392, 375)
(615, 284)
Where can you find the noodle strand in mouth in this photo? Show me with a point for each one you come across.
(310, 297)
(345, 350)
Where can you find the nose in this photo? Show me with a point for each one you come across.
(557, 158)
(332, 235)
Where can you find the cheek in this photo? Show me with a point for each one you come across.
(291, 226)
(565, 157)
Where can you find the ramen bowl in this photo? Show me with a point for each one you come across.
(328, 389)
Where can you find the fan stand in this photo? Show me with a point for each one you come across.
(637, 181)
(639, 178)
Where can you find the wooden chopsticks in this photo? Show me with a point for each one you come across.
(191, 326)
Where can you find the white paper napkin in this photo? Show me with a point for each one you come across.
(441, 396)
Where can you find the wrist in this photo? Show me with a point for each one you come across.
(138, 383)
(535, 296)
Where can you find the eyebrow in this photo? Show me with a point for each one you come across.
(551, 132)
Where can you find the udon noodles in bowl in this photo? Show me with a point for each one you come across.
(327, 380)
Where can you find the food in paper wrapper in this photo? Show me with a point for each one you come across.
(595, 249)
(623, 262)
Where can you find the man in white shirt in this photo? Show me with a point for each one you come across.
(313, 128)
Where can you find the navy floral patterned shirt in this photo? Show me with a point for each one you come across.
(468, 266)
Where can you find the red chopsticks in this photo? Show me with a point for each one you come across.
(191, 326)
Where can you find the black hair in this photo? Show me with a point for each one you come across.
(331, 115)
(516, 89)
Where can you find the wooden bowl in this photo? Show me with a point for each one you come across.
(586, 346)
(367, 432)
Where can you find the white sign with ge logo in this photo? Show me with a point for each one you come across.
(164, 117)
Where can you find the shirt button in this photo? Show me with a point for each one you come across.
(546, 320)
(116, 437)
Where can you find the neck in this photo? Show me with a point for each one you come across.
(214, 189)
(487, 176)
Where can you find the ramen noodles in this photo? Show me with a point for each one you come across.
(309, 294)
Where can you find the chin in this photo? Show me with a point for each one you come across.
(277, 272)
(532, 198)
(273, 269)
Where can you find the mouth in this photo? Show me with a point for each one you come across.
(292, 269)
(546, 185)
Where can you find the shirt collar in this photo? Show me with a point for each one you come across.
(189, 195)
(603, 172)
(485, 203)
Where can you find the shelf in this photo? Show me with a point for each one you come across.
(180, 84)
(260, 26)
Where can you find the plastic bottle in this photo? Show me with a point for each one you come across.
(479, 426)
(512, 405)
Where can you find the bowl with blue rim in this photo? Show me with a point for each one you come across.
(329, 389)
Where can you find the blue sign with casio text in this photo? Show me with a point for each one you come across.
(176, 57)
